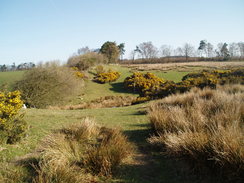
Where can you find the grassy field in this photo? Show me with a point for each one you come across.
(147, 166)
(10, 77)
(94, 90)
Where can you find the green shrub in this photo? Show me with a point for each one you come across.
(84, 62)
(107, 77)
(49, 85)
(12, 125)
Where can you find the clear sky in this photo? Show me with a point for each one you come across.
(43, 30)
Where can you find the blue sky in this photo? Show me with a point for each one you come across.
(43, 30)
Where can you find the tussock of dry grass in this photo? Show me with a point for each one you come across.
(81, 152)
(102, 102)
(203, 125)
(11, 174)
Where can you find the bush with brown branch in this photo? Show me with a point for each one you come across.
(49, 84)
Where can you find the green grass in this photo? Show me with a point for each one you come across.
(10, 77)
(94, 90)
(170, 75)
(148, 165)
(42, 121)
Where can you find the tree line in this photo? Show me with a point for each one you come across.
(14, 67)
(147, 50)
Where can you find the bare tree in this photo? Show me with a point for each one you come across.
(209, 49)
(132, 55)
(241, 48)
(83, 50)
(148, 50)
(218, 49)
(166, 50)
(178, 51)
(234, 50)
(188, 50)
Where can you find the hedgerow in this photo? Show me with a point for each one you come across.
(12, 126)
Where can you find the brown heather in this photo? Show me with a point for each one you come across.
(206, 126)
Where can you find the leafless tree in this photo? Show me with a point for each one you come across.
(166, 50)
(178, 51)
(148, 50)
(83, 50)
(188, 50)
(132, 55)
(209, 50)
(241, 48)
(234, 50)
(218, 49)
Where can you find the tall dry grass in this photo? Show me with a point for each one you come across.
(206, 126)
(80, 153)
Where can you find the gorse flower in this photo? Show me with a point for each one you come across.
(12, 126)
(10, 104)
(150, 86)
(107, 77)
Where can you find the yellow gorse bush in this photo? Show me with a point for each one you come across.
(150, 86)
(107, 77)
(10, 104)
(139, 81)
(78, 73)
(12, 125)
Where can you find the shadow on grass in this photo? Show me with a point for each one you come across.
(138, 137)
(151, 166)
(119, 88)
(140, 112)
(30, 164)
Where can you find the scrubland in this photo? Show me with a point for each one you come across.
(99, 136)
